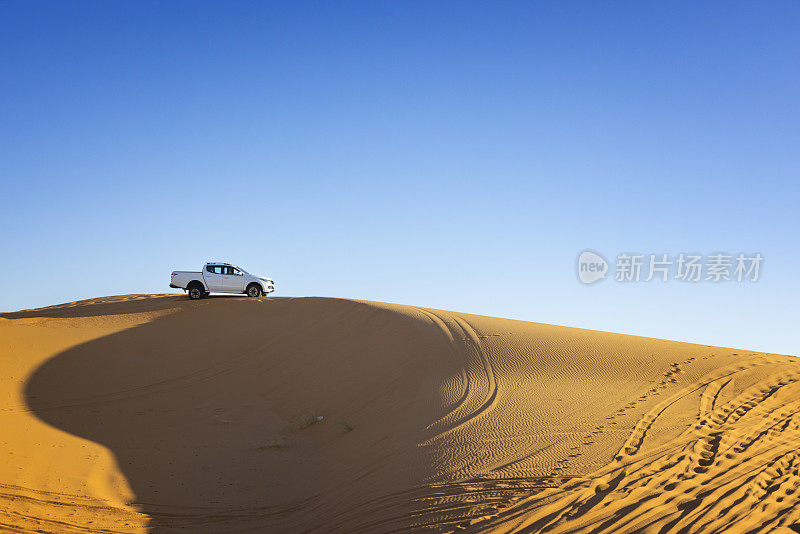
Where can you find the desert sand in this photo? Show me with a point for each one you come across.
(153, 413)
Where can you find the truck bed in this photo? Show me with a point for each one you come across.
(180, 279)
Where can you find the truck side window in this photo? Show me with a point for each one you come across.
(210, 268)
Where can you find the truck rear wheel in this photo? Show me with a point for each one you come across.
(196, 292)
(253, 290)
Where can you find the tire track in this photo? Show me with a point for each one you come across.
(480, 385)
(737, 468)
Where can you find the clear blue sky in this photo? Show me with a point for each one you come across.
(456, 155)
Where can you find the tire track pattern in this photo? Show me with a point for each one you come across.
(479, 383)
(26, 510)
(737, 468)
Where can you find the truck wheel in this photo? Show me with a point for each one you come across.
(196, 292)
(253, 290)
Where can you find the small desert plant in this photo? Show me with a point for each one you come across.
(345, 426)
(310, 419)
(276, 444)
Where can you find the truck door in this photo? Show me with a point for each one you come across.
(234, 281)
(215, 280)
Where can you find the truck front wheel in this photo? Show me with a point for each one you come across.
(253, 290)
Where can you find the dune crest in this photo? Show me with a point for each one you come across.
(150, 413)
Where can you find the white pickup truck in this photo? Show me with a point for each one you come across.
(220, 277)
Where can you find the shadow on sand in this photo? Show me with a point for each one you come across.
(204, 412)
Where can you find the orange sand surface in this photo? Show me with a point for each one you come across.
(153, 413)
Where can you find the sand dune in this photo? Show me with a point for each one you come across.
(152, 413)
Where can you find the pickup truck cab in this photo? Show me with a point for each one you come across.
(218, 277)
